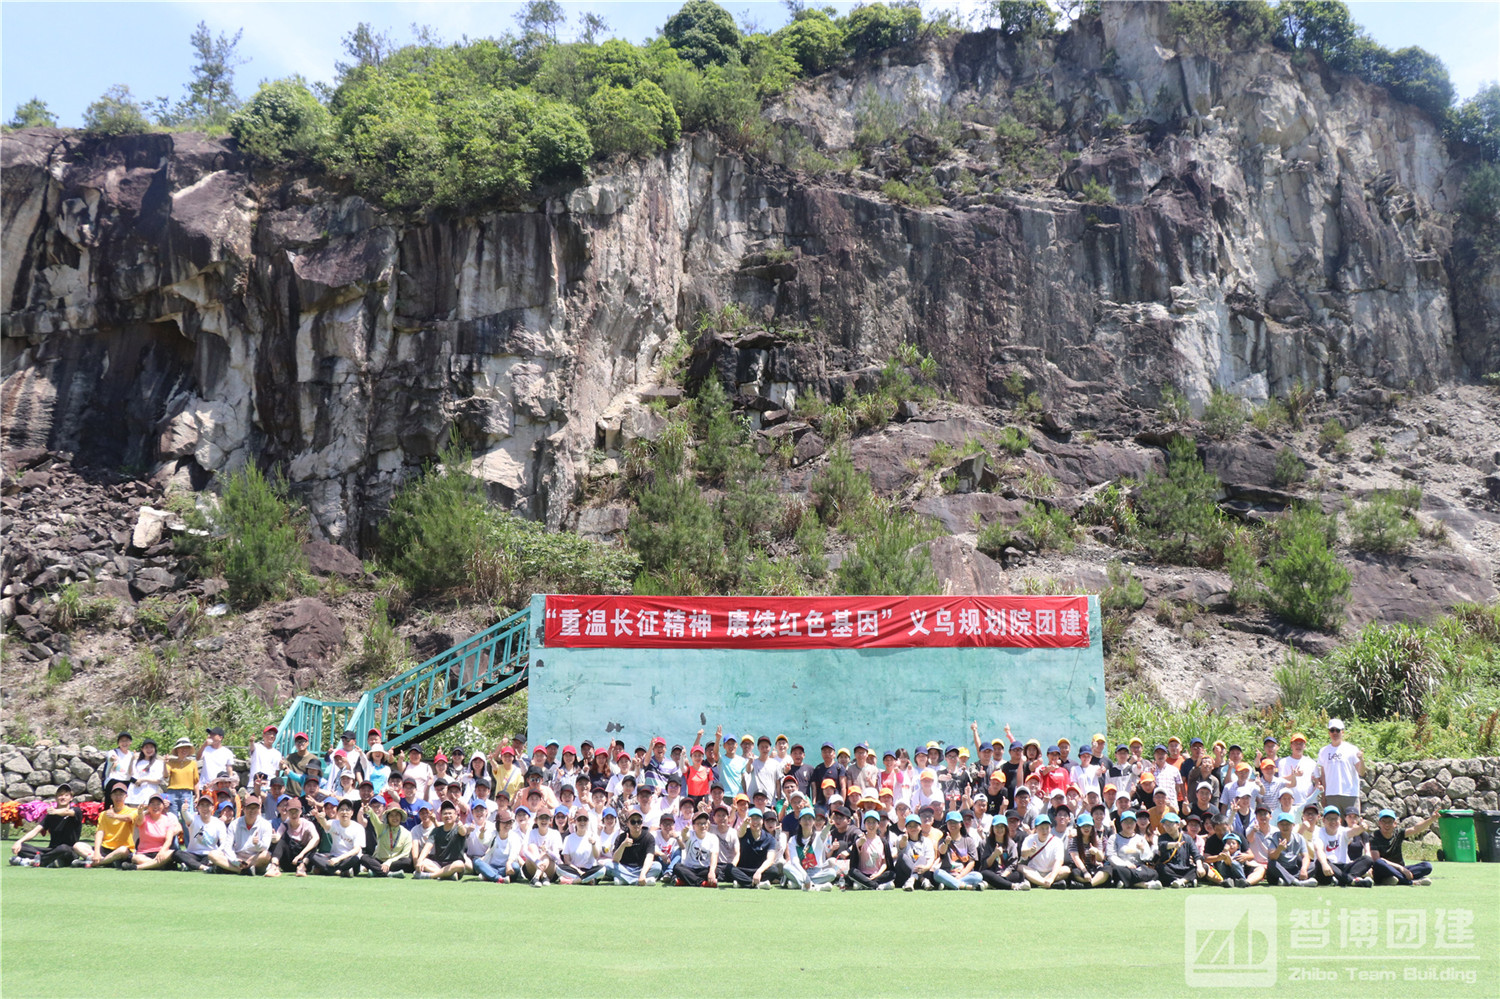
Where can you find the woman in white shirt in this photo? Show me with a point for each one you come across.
(347, 842)
(117, 764)
(580, 854)
(806, 857)
(148, 775)
(915, 858)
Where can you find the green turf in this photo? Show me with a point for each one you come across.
(178, 934)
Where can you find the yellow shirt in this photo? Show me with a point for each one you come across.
(182, 775)
(118, 830)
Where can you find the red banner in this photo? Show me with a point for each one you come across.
(592, 622)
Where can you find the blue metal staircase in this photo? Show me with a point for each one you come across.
(446, 689)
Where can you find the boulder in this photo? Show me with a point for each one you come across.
(150, 526)
(808, 447)
(149, 582)
(311, 633)
(1399, 588)
(957, 512)
(325, 559)
(961, 569)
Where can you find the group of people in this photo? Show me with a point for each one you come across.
(754, 812)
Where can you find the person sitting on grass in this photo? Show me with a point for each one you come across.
(205, 839)
(1386, 850)
(1042, 856)
(1176, 855)
(63, 824)
(114, 840)
(580, 853)
(1086, 860)
(293, 842)
(250, 836)
(1220, 854)
(1129, 855)
(632, 860)
(1331, 848)
(442, 856)
(1288, 856)
(503, 861)
(756, 862)
(699, 864)
(156, 831)
(999, 858)
(543, 847)
(960, 857)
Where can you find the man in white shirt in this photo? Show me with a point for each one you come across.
(215, 758)
(1340, 766)
(1042, 856)
(265, 758)
(1331, 842)
(250, 838)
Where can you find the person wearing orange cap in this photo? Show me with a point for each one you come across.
(1297, 770)
(1236, 784)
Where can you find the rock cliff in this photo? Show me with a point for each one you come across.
(167, 307)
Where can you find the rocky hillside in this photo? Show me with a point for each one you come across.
(1162, 224)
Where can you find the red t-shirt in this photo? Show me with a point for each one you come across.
(1056, 779)
(699, 779)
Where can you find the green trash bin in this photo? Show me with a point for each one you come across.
(1487, 828)
(1456, 830)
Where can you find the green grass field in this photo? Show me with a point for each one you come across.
(179, 934)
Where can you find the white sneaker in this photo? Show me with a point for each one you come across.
(885, 887)
(819, 887)
(1021, 886)
(765, 884)
(422, 876)
(1308, 883)
(1153, 884)
(981, 886)
(1364, 882)
(907, 886)
(1422, 881)
(649, 882)
(1179, 883)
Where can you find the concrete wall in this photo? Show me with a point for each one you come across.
(887, 697)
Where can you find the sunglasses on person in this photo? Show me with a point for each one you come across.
(635, 822)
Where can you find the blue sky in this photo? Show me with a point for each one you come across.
(69, 53)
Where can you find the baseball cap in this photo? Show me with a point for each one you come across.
(1386, 813)
(954, 817)
(1298, 737)
(216, 731)
(1195, 741)
(1171, 817)
(1331, 810)
(1286, 817)
(1204, 785)
(1266, 763)
(912, 820)
(1042, 819)
(1127, 815)
(1085, 820)
(1336, 723)
(300, 737)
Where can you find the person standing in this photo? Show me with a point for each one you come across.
(1340, 766)
(214, 757)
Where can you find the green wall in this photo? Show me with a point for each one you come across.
(887, 697)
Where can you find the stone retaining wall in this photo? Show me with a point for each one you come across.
(1412, 788)
(28, 772)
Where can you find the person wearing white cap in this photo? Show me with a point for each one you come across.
(265, 758)
(1340, 766)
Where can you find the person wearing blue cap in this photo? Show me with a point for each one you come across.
(1122, 773)
(1385, 850)
(806, 856)
(870, 865)
(960, 856)
(915, 857)
(756, 865)
(1176, 855)
(1332, 862)
(1288, 857)
(999, 858)
(1087, 865)
(1042, 856)
(1130, 855)
(1221, 849)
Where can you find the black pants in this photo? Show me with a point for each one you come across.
(284, 853)
(905, 874)
(1129, 877)
(1278, 873)
(1002, 878)
(742, 876)
(862, 879)
(1385, 869)
(1344, 873)
(61, 855)
(576, 872)
(690, 876)
(323, 864)
(1175, 871)
(369, 863)
(191, 861)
